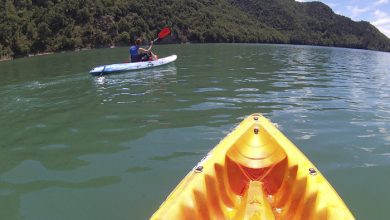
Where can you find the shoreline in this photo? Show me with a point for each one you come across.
(29, 55)
(2, 59)
(42, 54)
(39, 54)
(5, 59)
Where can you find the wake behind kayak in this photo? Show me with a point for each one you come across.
(121, 67)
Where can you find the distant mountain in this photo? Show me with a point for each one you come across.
(38, 26)
(314, 23)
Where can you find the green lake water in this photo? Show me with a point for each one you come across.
(73, 146)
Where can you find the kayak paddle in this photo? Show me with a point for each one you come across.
(163, 33)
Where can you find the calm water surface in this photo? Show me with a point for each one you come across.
(73, 146)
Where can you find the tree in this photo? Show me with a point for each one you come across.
(32, 26)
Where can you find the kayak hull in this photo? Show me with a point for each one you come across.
(122, 67)
(254, 173)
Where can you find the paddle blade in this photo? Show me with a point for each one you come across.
(164, 32)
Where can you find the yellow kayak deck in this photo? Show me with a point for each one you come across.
(254, 173)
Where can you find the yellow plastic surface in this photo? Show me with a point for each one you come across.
(254, 173)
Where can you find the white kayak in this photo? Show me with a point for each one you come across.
(120, 67)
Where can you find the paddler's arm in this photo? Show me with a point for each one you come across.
(147, 50)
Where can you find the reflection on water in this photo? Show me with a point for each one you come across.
(118, 87)
(138, 169)
(73, 146)
(140, 77)
(174, 155)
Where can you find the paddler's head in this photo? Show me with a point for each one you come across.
(138, 41)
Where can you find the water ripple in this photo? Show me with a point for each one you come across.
(70, 133)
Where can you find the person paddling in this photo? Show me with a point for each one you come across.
(139, 54)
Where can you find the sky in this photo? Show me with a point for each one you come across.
(377, 12)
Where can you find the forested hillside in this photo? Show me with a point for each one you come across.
(314, 23)
(38, 26)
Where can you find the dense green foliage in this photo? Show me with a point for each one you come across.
(314, 23)
(37, 26)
